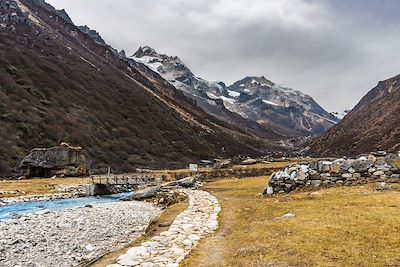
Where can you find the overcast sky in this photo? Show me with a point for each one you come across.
(335, 51)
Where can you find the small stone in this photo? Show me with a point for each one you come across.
(177, 251)
(347, 175)
(135, 251)
(316, 183)
(379, 173)
(89, 247)
(269, 191)
(187, 242)
(128, 262)
(286, 216)
(383, 186)
(314, 194)
(194, 237)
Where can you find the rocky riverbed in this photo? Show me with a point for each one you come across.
(69, 237)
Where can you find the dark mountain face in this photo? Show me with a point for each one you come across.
(253, 102)
(374, 124)
(58, 83)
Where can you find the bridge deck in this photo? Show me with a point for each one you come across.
(120, 180)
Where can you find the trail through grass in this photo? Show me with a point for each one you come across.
(346, 226)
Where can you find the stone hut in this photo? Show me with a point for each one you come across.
(63, 161)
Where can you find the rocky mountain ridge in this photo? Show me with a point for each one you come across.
(282, 110)
(372, 125)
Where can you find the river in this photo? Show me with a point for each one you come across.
(37, 207)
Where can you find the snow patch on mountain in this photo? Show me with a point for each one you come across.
(340, 115)
(269, 102)
(233, 93)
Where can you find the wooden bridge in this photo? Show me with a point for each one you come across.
(134, 180)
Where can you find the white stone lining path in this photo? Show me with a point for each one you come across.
(169, 248)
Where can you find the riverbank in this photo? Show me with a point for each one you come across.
(39, 187)
(73, 236)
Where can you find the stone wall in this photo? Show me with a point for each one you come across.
(338, 172)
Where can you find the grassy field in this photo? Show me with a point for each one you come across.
(36, 186)
(15, 188)
(347, 226)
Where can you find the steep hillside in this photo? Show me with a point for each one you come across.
(59, 83)
(374, 124)
(253, 102)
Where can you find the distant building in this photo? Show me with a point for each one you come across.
(62, 161)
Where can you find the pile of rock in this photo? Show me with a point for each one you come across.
(161, 189)
(328, 173)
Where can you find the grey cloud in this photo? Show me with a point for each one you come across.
(333, 50)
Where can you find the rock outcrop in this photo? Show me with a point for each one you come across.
(63, 160)
(325, 173)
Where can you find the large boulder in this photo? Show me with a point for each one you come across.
(187, 182)
(63, 160)
(145, 193)
(362, 165)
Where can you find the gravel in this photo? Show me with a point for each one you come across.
(72, 236)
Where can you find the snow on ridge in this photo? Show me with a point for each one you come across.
(227, 99)
(269, 102)
(340, 115)
(152, 62)
(212, 96)
(254, 82)
(223, 98)
(233, 93)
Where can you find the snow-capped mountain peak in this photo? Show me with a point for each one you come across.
(289, 111)
(170, 68)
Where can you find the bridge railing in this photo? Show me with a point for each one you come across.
(120, 180)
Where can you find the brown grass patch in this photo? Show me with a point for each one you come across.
(397, 163)
(347, 226)
(37, 186)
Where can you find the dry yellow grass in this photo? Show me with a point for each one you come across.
(397, 163)
(37, 186)
(272, 165)
(347, 226)
(169, 174)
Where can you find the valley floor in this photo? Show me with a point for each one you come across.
(346, 226)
